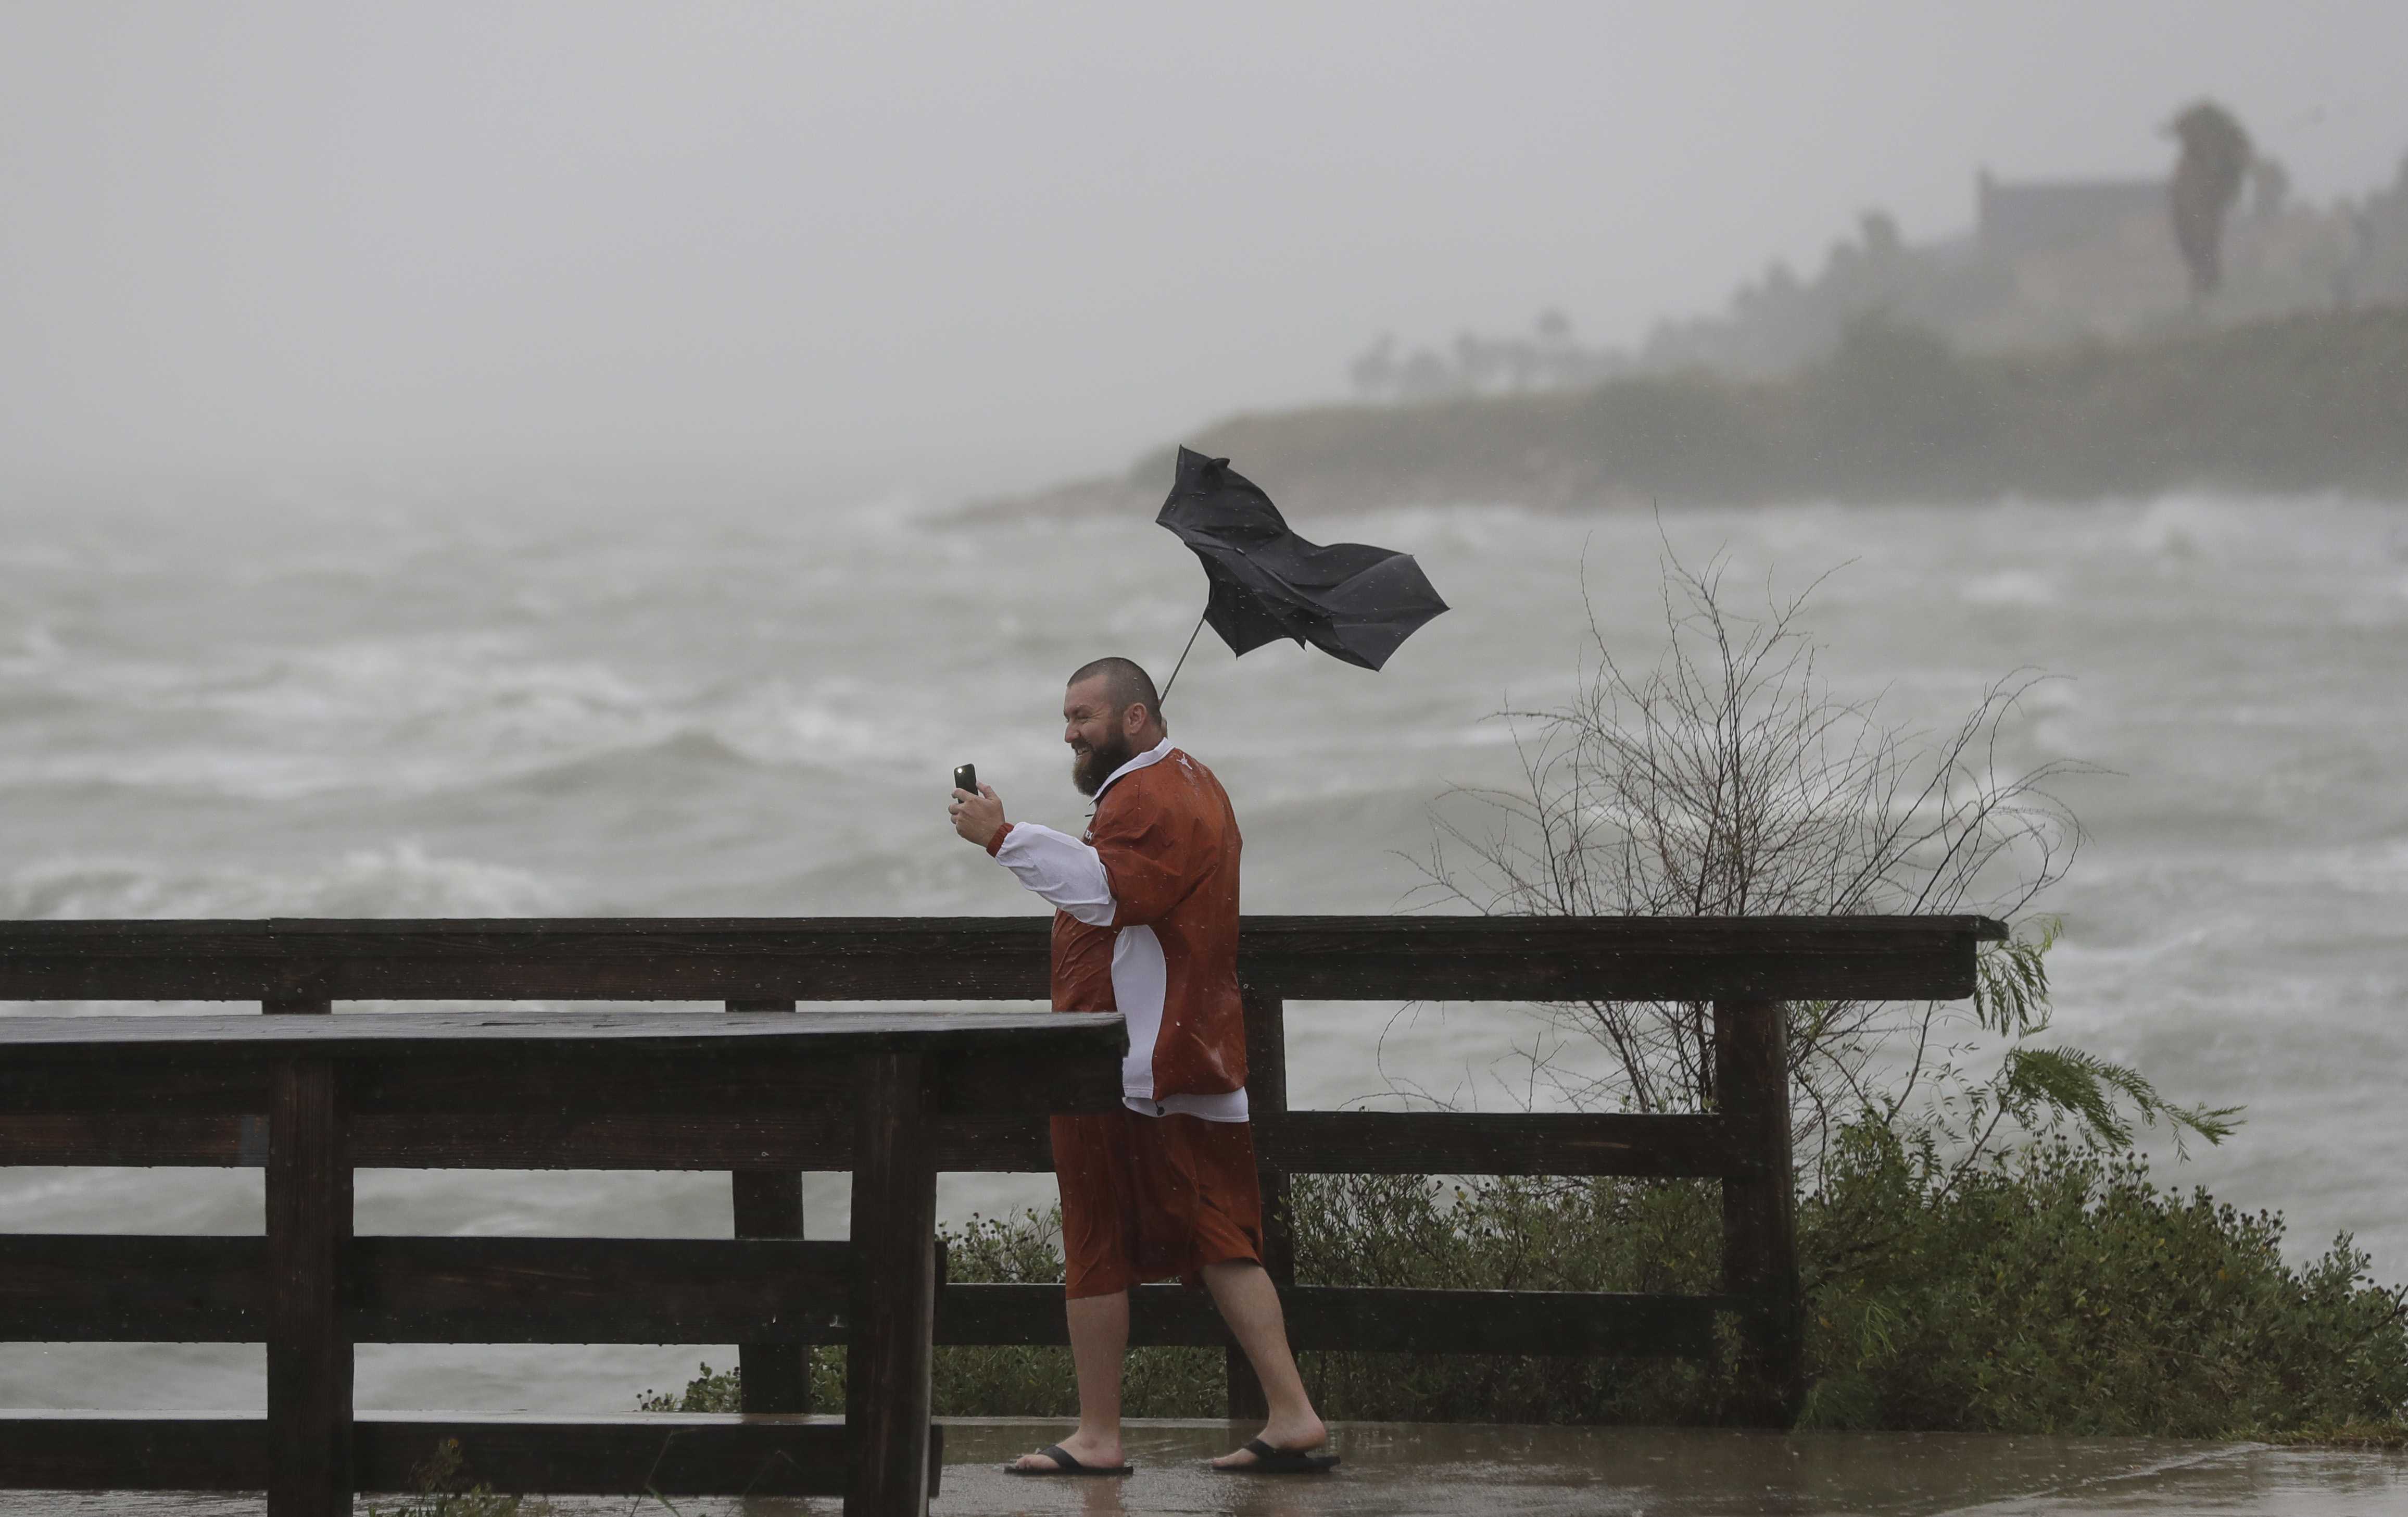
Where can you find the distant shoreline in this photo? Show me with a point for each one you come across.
(2296, 404)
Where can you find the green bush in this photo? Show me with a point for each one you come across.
(2054, 1289)
(711, 1390)
(2057, 1289)
(1000, 1381)
(1039, 1383)
(1515, 1235)
(443, 1486)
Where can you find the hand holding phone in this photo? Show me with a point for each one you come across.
(978, 815)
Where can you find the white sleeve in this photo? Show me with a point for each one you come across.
(1060, 868)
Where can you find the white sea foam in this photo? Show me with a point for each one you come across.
(399, 879)
(2011, 587)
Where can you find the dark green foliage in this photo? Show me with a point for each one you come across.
(2055, 1290)
(1510, 1233)
(1000, 1381)
(443, 1486)
(1038, 1382)
(2059, 1291)
(711, 1390)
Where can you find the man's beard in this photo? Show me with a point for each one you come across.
(1089, 769)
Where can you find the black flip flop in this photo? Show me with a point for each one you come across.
(1065, 1465)
(1271, 1461)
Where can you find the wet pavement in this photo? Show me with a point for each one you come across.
(1528, 1471)
(1406, 1468)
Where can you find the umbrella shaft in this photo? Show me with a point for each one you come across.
(1165, 694)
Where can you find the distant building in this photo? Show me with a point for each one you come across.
(2015, 220)
(2046, 261)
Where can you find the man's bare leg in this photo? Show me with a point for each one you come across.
(1250, 1304)
(1098, 1343)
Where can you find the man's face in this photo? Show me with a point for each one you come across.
(1096, 732)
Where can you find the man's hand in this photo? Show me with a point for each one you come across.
(978, 817)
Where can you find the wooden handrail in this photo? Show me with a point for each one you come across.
(1296, 1143)
(983, 958)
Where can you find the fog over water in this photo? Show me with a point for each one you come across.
(363, 708)
(857, 248)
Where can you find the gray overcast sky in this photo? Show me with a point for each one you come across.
(864, 248)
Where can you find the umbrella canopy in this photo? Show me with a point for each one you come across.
(1349, 599)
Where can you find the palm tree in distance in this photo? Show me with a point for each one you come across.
(2215, 155)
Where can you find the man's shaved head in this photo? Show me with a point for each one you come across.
(1125, 685)
(1100, 720)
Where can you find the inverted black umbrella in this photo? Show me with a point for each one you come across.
(1350, 599)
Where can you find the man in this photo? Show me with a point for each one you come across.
(1145, 923)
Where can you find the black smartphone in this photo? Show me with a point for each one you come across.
(965, 777)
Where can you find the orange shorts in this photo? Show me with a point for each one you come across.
(1154, 1198)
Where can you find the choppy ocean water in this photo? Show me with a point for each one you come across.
(338, 707)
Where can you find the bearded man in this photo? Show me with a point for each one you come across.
(1145, 923)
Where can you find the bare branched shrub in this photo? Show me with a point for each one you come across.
(1728, 780)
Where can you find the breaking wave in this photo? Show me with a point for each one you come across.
(400, 879)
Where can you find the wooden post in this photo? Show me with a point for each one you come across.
(1266, 1099)
(308, 1348)
(894, 1305)
(1760, 1213)
(769, 1204)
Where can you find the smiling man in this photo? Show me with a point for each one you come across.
(1145, 923)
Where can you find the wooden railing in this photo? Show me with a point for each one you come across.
(310, 1290)
(776, 1295)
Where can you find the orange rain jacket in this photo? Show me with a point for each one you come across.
(1146, 924)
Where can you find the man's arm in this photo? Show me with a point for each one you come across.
(1063, 871)
(1059, 867)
